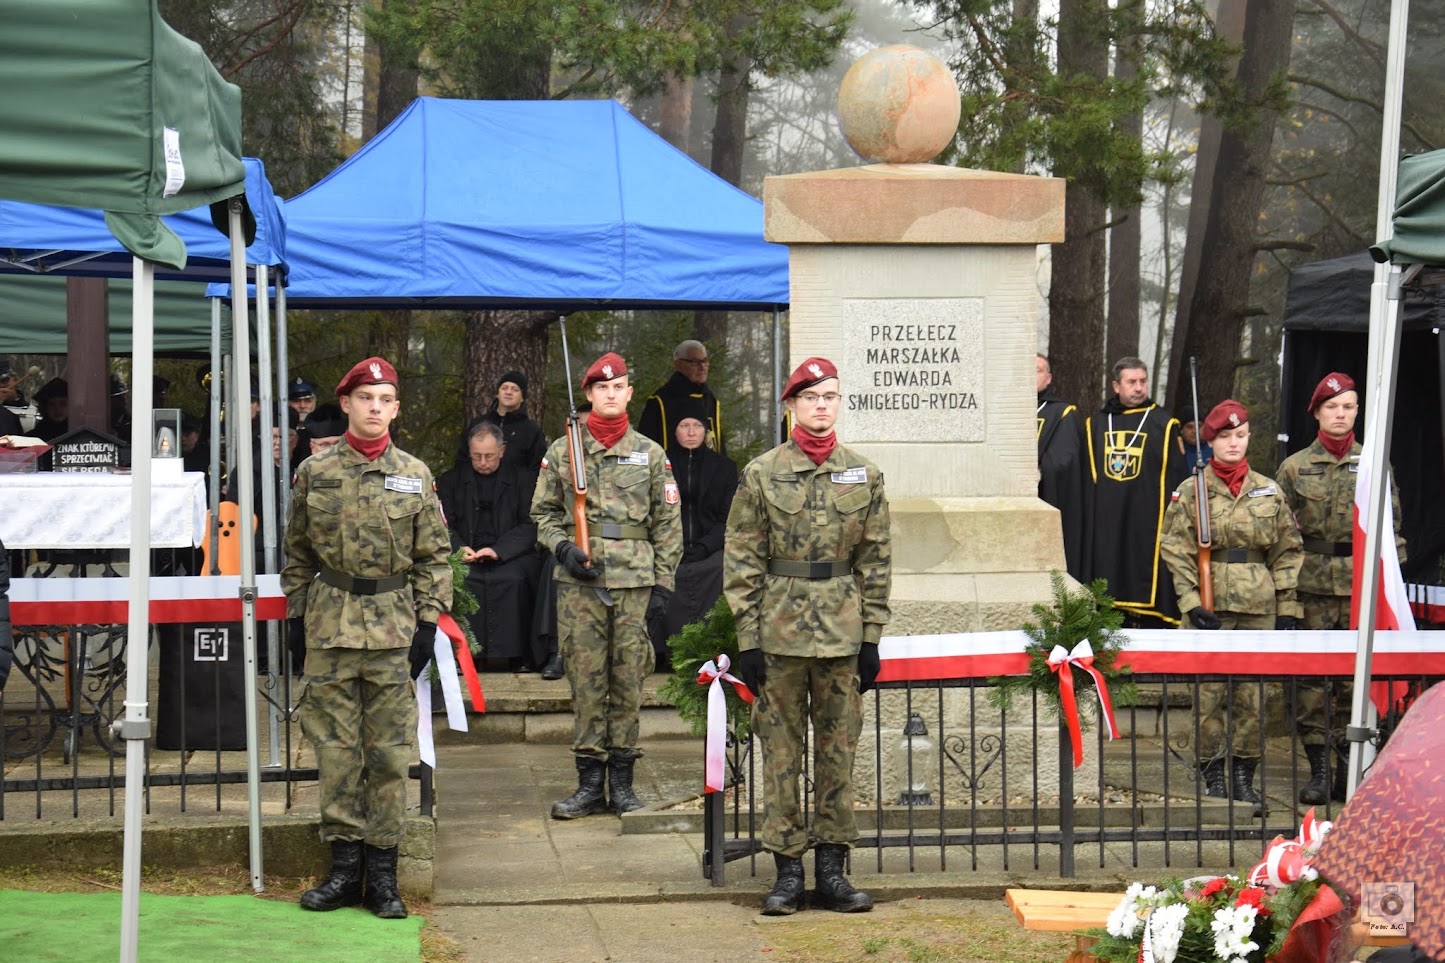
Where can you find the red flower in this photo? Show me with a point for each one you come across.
(1213, 886)
(1252, 896)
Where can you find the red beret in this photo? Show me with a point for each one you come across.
(605, 368)
(1332, 384)
(372, 371)
(1227, 414)
(807, 374)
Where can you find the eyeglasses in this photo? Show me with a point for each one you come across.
(700, 362)
(812, 398)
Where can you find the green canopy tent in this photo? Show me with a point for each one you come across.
(104, 106)
(33, 317)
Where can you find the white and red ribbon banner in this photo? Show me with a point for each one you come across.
(1288, 861)
(451, 698)
(713, 674)
(448, 626)
(106, 601)
(1062, 661)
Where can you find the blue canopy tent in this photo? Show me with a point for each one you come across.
(463, 204)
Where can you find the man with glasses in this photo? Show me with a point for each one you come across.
(688, 382)
(807, 568)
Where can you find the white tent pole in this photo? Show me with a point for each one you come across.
(1380, 387)
(134, 725)
(245, 499)
(270, 418)
(214, 417)
(283, 379)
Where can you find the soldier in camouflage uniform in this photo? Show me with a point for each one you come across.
(365, 581)
(1319, 484)
(607, 593)
(1254, 564)
(807, 569)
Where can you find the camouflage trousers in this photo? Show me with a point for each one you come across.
(358, 711)
(799, 690)
(1323, 612)
(607, 654)
(1229, 711)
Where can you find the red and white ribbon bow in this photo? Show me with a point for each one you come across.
(1060, 660)
(1291, 860)
(712, 675)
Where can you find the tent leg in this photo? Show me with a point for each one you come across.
(214, 494)
(245, 497)
(777, 375)
(134, 725)
(272, 418)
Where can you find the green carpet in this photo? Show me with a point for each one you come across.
(80, 927)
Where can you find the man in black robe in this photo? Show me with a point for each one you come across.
(688, 385)
(707, 482)
(1061, 478)
(1135, 463)
(488, 511)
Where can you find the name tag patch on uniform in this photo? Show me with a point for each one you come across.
(326, 483)
(1311, 471)
(400, 483)
(670, 493)
(850, 476)
(1266, 490)
(635, 458)
(1354, 468)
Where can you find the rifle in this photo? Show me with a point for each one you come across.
(1201, 503)
(575, 455)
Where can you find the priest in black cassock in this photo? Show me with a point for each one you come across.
(1134, 464)
(487, 504)
(1061, 470)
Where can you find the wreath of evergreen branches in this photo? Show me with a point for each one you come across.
(1089, 614)
(464, 603)
(697, 644)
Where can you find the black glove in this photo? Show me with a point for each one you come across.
(574, 560)
(423, 646)
(867, 666)
(1203, 618)
(296, 642)
(657, 605)
(1286, 623)
(748, 666)
(695, 552)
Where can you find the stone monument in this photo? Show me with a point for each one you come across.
(919, 281)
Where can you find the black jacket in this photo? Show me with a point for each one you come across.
(707, 482)
(658, 421)
(457, 491)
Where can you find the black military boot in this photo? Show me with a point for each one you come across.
(382, 897)
(1243, 789)
(554, 669)
(833, 890)
(786, 896)
(343, 886)
(590, 797)
(1316, 791)
(1214, 784)
(620, 797)
(1339, 789)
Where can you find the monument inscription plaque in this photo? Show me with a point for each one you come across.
(915, 369)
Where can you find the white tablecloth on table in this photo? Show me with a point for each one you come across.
(92, 510)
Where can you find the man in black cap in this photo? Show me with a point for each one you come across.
(689, 381)
(301, 396)
(525, 443)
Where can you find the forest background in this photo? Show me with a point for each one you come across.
(1209, 147)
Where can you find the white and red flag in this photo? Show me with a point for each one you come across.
(1392, 608)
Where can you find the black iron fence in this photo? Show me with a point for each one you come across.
(946, 779)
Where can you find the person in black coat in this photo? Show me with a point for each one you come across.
(686, 390)
(487, 505)
(523, 437)
(707, 482)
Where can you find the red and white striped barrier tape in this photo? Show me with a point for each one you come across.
(173, 598)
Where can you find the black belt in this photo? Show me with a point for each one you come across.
(1318, 546)
(1236, 555)
(357, 585)
(793, 568)
(622, 531)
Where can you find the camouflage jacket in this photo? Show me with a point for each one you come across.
(1257, 520)
(788, 508)
(369, 519)
(629, 484)
(1321, 491)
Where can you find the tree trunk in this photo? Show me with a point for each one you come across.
(502, 341)
(1124, 236)
(1076, 293)
(1221, 294)
(674, 119)
(1229, 26)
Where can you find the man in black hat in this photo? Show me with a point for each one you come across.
(525, 443)
(689, 381)
(53, 399)
(301, 396)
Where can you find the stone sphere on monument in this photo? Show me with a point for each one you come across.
(898, 105)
